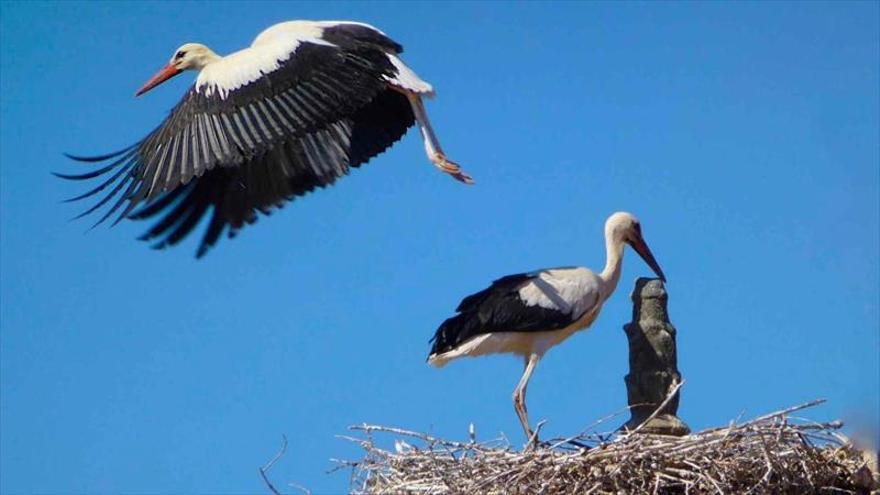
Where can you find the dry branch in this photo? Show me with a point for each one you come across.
(265, 469)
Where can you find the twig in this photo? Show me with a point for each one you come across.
(785, 412)
(268, 466)
(533, 440)
(592, 426)
(300, 488)
(654, 414)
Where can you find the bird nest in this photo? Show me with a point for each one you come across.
(775, 453)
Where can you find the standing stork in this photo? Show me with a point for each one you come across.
(528, 313)
(296, 110)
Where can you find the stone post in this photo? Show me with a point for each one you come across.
(653, 364)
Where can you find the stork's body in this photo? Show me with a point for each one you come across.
(294, 111)
(529, 313)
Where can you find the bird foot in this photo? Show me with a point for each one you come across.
(448, 166)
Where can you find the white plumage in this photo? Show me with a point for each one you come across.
(279, 43)
(570, 290)
(527, 314)
(407, 79)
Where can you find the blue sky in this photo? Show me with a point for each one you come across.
(744, 135)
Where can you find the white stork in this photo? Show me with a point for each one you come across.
(528, 313)
(294, 111)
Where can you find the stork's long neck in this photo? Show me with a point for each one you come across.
(613, 260)
(206, 58)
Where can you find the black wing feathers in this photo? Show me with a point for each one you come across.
(295, 129)
(378, 125)
(236, 194)
(99, 158)
(497, 308)
(506, 284)
(349, 34)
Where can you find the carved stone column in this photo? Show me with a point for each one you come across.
(653, 364)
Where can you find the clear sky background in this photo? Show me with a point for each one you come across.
(744, 135)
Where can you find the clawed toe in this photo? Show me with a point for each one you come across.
(448, 166)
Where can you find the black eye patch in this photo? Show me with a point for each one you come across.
(179, 54)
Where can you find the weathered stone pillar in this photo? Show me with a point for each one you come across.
(653, 364)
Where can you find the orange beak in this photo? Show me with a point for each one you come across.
(163, 75)
(644, 251)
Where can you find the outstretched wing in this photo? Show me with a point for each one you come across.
(326, 107)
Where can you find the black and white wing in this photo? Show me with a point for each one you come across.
(538, 301)
(258, 128)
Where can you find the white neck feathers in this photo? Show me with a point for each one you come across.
(613, 262)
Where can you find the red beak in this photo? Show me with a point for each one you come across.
(641, 247)
(163, 75)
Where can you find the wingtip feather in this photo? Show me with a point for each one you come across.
(97, 158)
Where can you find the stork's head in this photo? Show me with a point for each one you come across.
(190, 56)
(623, 227)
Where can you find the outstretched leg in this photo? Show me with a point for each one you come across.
(432, 144)
(519, 394)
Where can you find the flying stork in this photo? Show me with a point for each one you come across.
(296, 110)
(528, 313)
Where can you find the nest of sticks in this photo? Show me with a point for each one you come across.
(774, 453)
